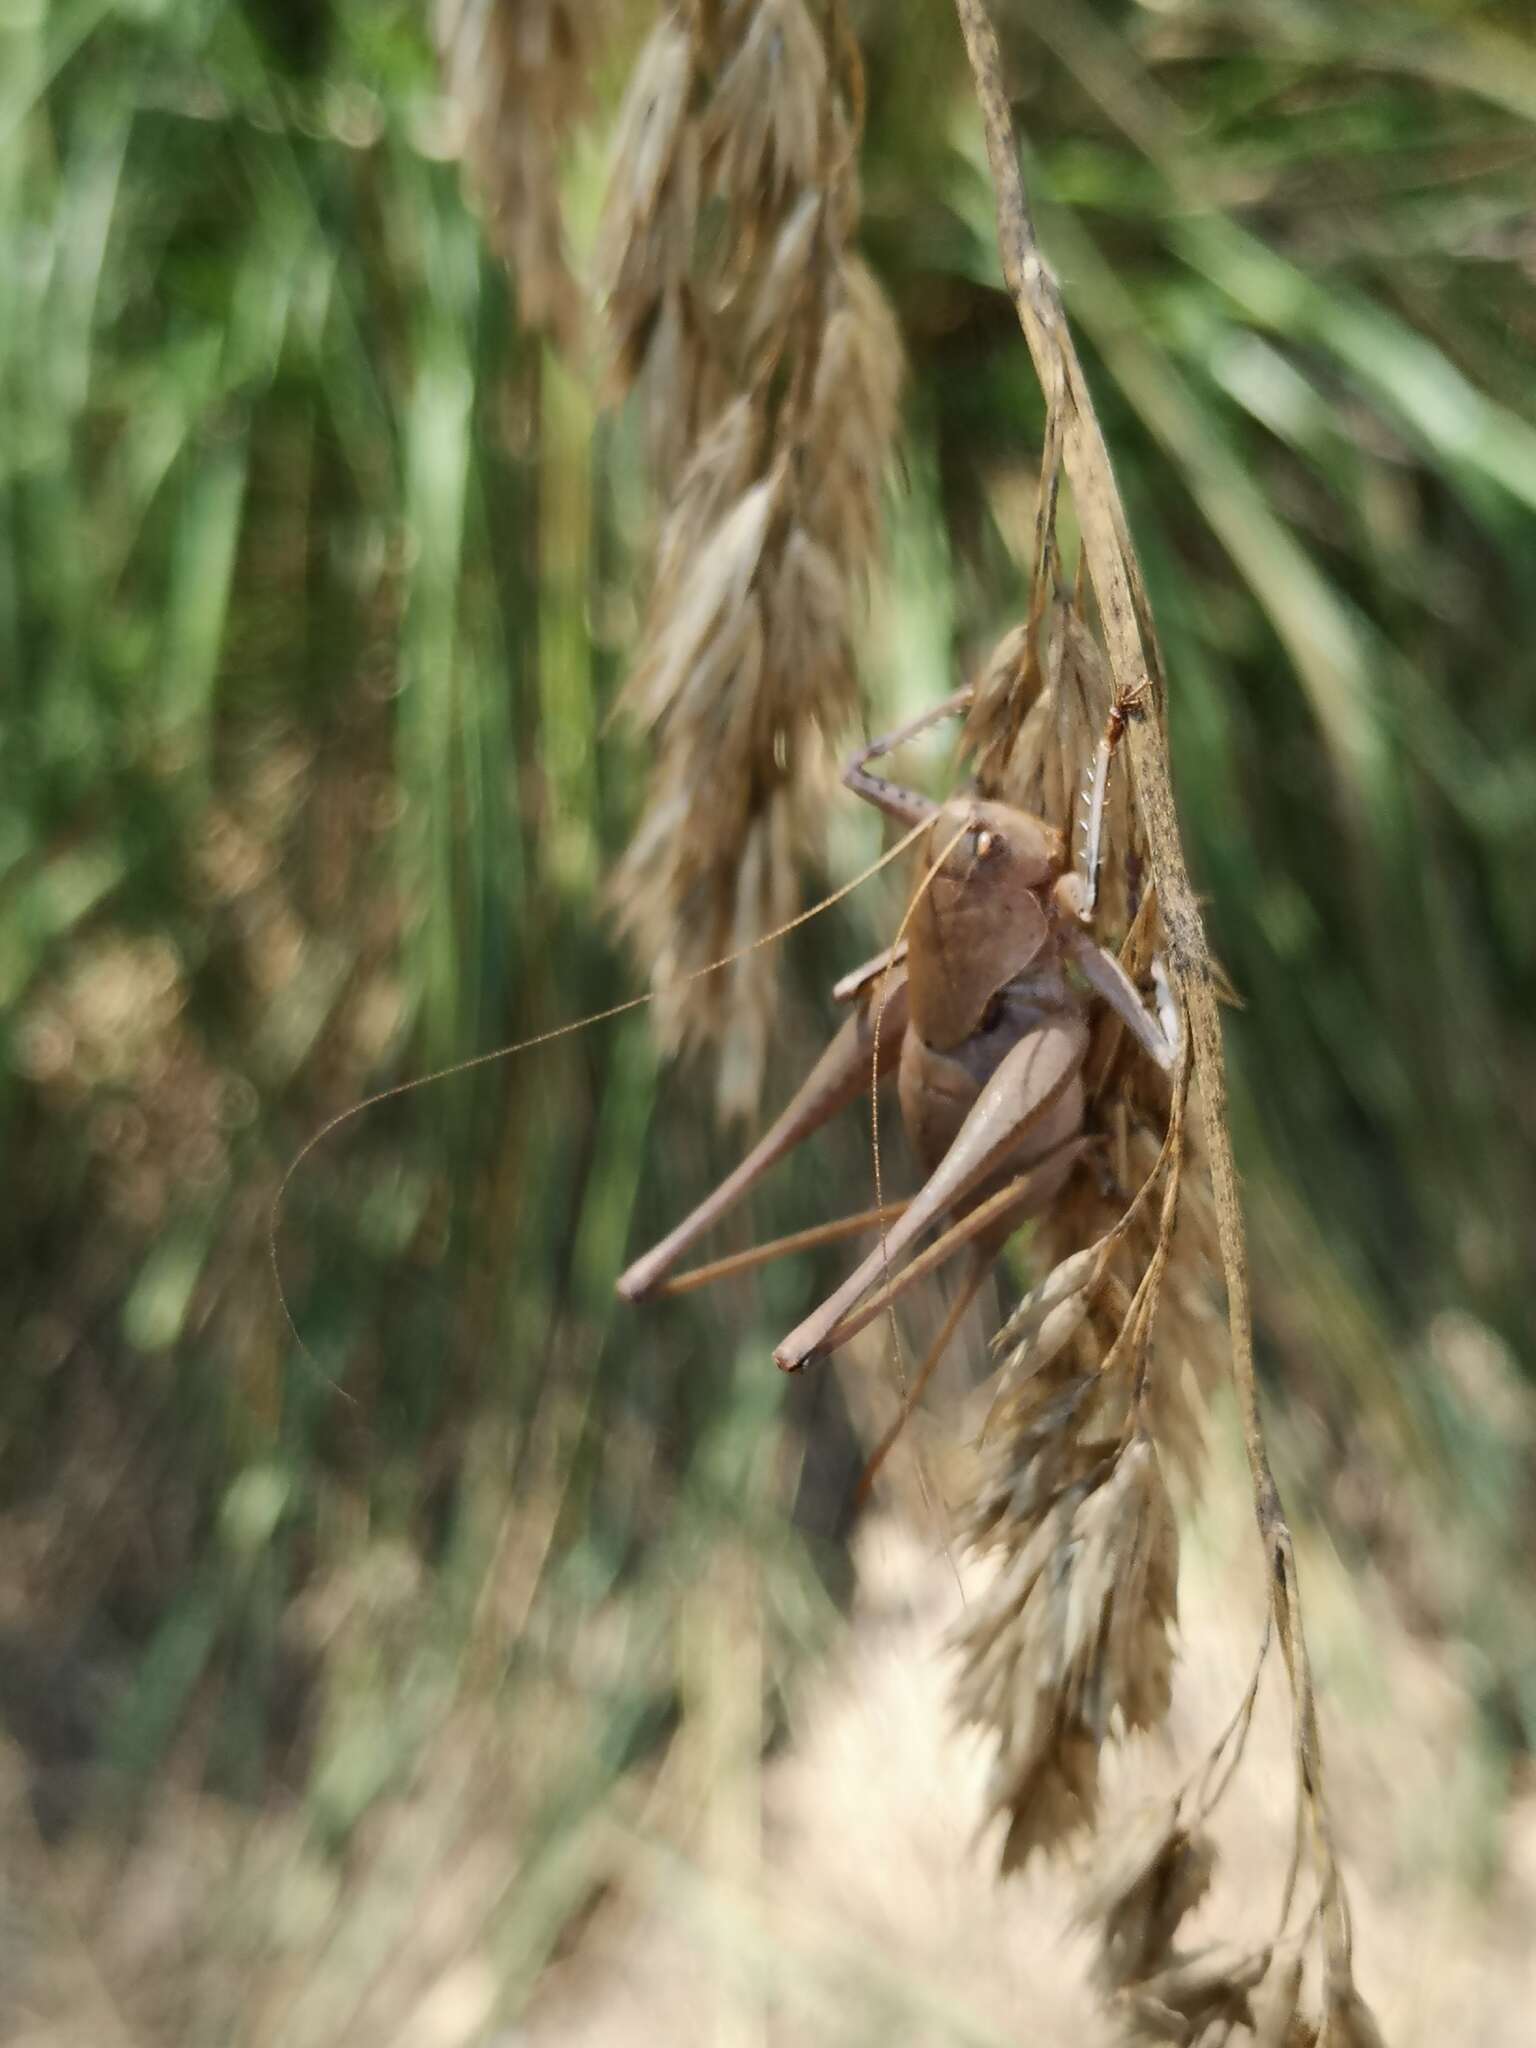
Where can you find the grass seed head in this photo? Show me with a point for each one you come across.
(1070, 1646)
(763, 129)
(771, 367)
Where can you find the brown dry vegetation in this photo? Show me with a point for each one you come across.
(768, 364)
(464, 1696)
(1071, 1652)
(864, 1907)
(835, 1891)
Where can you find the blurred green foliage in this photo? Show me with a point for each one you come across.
(304, 793)
(315, 581)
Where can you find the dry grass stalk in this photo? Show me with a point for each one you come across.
(1032, 730)
(769, 366)
(516, 72)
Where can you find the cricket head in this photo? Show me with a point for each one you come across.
(981, 918)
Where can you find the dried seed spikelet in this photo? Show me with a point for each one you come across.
(1280, 2021)
(1001, 698)
(1203, 1998)
(1069, 1647)
(1347, 2019)
(1160, 1874)
(1047, 1317)
(516, 72)
(763, 128)
(1283, 2022)
(700, 676)
(852, 423)
(645, 243)
(771, 367)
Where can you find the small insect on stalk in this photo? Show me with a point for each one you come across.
(982, 1008)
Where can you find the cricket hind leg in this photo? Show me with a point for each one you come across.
(1014, 1105)
(1001, 1216)
(735, 1263)
(977, 1267)
(844, 1072)
(1001, 1212)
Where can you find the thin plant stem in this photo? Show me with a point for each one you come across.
(1112, 566)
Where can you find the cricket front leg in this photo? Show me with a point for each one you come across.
(874, 1033)
(1103, 972)
(904, 805)
(1096, 793)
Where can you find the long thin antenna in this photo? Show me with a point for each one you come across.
(504, 1052)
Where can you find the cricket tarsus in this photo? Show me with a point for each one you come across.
(778, 1248)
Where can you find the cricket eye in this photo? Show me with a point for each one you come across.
(983, 843)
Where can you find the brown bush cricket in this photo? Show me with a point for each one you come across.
(982, 1007)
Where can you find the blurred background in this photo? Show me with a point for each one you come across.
(354, 1693)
